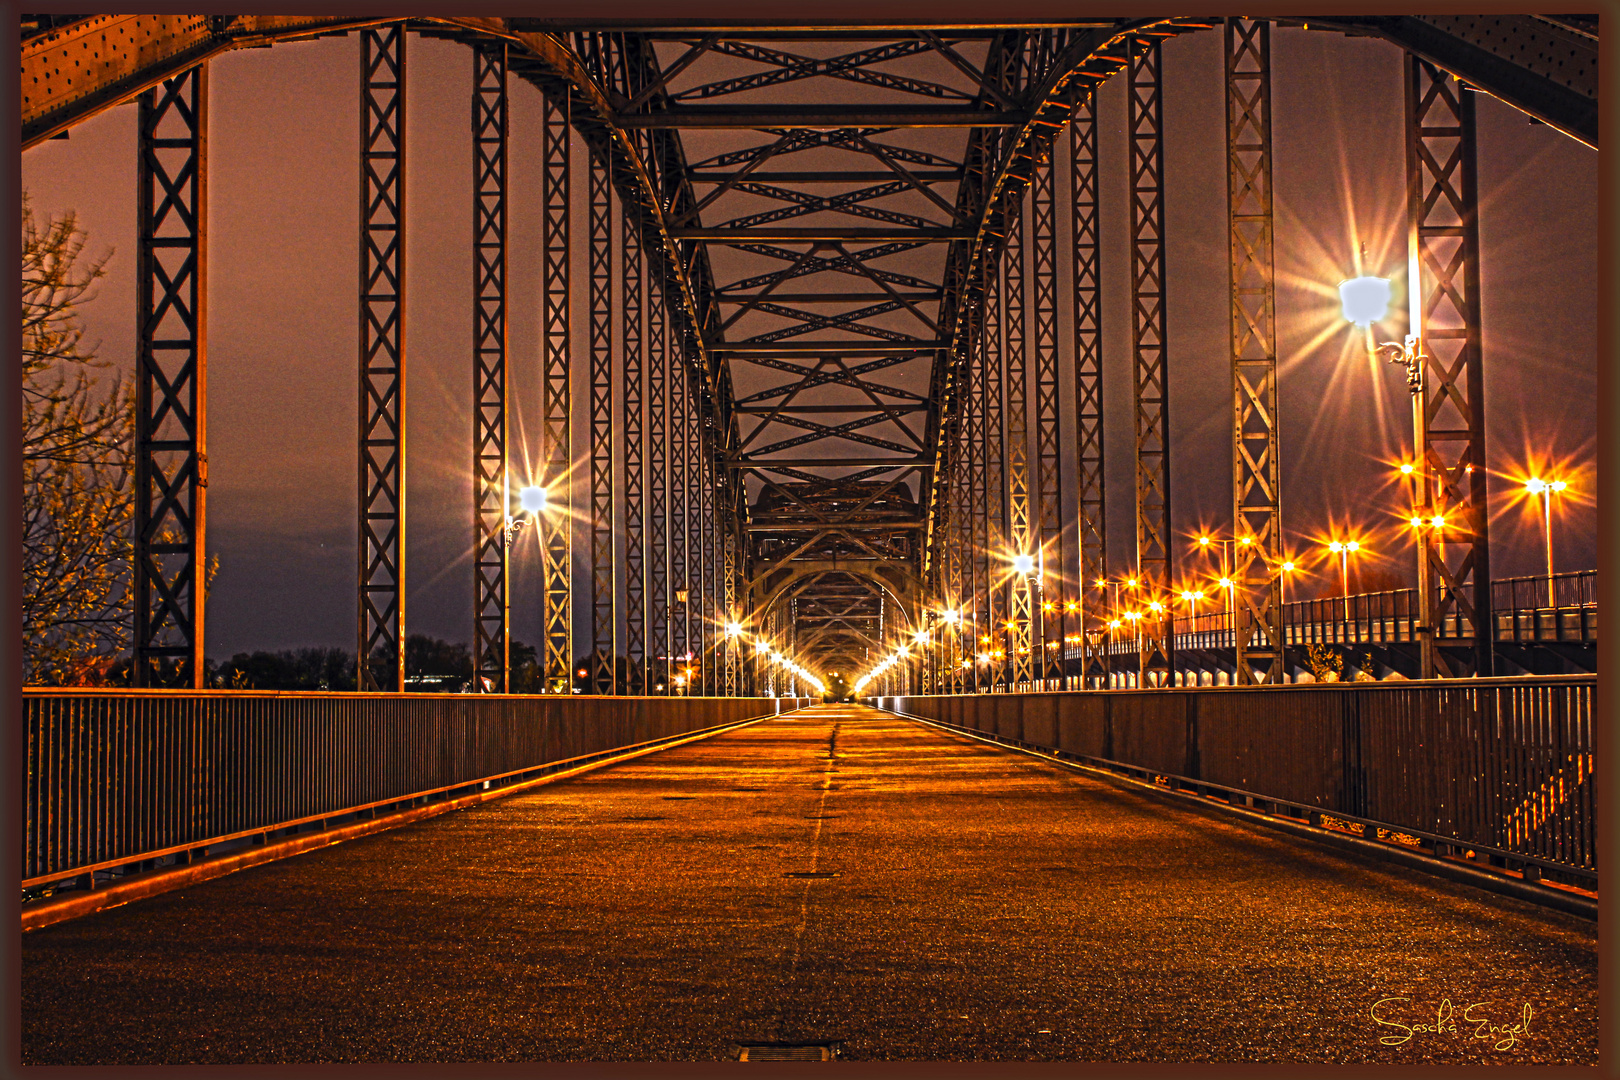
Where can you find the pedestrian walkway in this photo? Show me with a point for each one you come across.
(836, 876)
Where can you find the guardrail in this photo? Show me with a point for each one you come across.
(1501, 766)
(121, 781)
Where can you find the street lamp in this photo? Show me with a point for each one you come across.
(532, 501)
(1366, 301)
(1343, 550)
(1192, 598)
(1545, 490)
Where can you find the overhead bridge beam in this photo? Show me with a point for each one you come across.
(802, 235)
(823, 348)
(823, 298)
(712, 176)
(1547, 71)
(756, 117)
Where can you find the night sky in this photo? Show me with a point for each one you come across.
(282, 338)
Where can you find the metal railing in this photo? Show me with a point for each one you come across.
(117, 781)
(1519, 606)
(1502, 766)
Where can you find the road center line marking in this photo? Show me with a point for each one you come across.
(815, 851)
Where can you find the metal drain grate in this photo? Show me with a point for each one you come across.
(785, 1052)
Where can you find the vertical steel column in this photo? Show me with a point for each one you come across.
(381, 658)
(978, 615)
(171, 447)
(995, 440)
(1020, 640)
(707, 531)
(635, 457)
(956, 556)
(728, 526)
(604, 628)
(1443, 267)
(1088, 378)
(659, 645)
(492, 491)
(1256, 479)
(680, 516)
(1153, 550)
(1048, 615)
(556, 523)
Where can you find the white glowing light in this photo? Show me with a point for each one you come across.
(532, 499)
(1024, 564)
(1365, 299)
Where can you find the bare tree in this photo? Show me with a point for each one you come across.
(77, 492)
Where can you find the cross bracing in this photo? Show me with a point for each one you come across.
(831, 325)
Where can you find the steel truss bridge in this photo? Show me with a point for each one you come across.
(823, 337)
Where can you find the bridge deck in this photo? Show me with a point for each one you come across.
(985, 906)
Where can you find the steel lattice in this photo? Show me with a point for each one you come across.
(1016, 358)
(1049, 638)
(381, 660)
(1088, 381)
(603, 624)
(1443, 249)
(491, 486)
(635, 457)
(556, 532)
(1153, 551)
(659, 478)
(1256, 480)
(171, 472)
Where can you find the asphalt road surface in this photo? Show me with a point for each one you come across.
(837, 875)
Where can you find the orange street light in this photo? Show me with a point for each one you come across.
(1343, 551)
(1545, 490)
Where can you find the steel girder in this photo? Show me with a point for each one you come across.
(1085, 233)
(381, 656)
(1048, 613)
(1256, 473)
(1443, 265)
(609, 77)
(994, 433)
(492, 504)
(1154, 550)
(708, 533)
(556, 404)
(635, 458)
(660, 607)
(1545, 66)
(680, 519)
(171, 448)
(600, 262)
(1016, 358)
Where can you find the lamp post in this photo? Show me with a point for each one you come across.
(951, 619)
(1343, 550)
(1545, 490)
(1365, 301)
